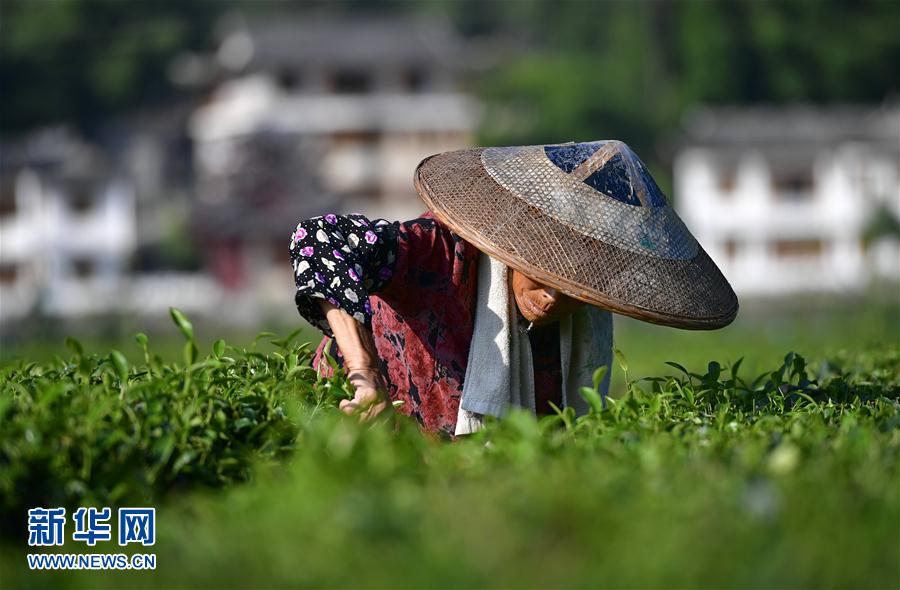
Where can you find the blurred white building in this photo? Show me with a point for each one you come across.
(312, 115)
(790, 199)
(67, 228)
(297, 116)
(367, 98)
(69, 231)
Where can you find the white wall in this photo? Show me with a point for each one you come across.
(754, 219)
(44, 238)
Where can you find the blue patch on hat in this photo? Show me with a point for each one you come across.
(568, 157)
(613, 179)
(654, 193)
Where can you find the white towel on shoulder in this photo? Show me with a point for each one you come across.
(500, 374)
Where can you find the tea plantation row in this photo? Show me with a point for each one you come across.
(788, 479)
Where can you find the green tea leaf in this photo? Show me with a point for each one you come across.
(74, 346)
(592, 398)
(120, 364)
(260, 336)
(599, 374)
(190, 353)
(679, 367)
(182, 322)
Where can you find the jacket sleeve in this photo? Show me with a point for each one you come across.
(341, 259)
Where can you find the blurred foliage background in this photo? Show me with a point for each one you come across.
(563, 70)
(577, 69)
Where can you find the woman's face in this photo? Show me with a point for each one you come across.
(538, 303)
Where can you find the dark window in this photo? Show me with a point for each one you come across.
(416, 80)
(83, 268)
(80, 198)
(794, 184)
(288, 79)
(7, 195)
(792, 248)
(727, 179)
(352, 82)
(354, 138)
(8, 273)
(731, 248)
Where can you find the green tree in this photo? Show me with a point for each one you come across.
(82, 60)
(629, 70)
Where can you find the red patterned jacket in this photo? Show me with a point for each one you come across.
(422, 318)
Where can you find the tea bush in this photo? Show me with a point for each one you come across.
(93, 430)
(788, 479)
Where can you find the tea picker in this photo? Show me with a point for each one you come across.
(501, 295)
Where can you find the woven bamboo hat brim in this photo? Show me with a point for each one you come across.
(586, 219)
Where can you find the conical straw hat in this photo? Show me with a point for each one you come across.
(586, 219)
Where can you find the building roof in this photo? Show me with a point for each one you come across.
(791, 128)
(58, 150)
(244, 107)
(350, 41)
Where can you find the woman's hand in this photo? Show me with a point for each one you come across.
(371, 397)
(361, 362)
